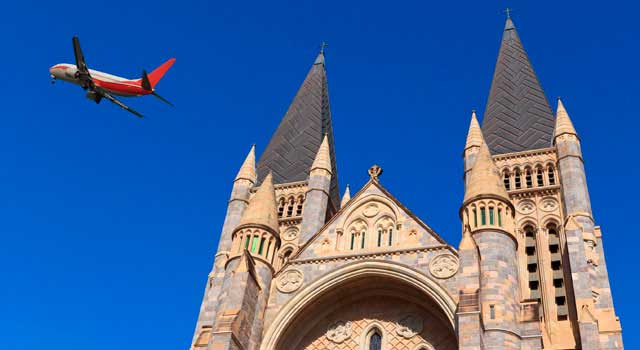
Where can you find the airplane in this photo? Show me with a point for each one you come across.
(102, 85)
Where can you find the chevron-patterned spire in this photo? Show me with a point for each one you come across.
(518, 116)
(293, 146)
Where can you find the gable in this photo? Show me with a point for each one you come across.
(372, 221)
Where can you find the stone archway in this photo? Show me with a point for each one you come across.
(340, 310)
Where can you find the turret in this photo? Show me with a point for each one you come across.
(244, 181)
(488, 214)
(468, 316)
(249, 272)
(314, 212)
(346, 197)
(472, 146)
(258, 231)
(571, 166)
(586, 259)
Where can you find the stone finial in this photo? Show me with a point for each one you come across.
(375, 172)
(563, 122)
(323, 157)
(345, 197)
(474, 136)
(485, 178)
(262, 207)
(248, 169)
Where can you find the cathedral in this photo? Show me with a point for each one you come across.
(300, 267)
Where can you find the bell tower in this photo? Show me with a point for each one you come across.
(559, 256)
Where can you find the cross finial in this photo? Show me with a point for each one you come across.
(322, 46)
(508, 12)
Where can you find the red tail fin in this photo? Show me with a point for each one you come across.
(158, 73)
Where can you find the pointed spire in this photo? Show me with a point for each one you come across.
(474, 136)
(563, 122)
(292, 150)
(345, 197)
(323, 157)
(467, 241)
(485, 177)
(248, 169)
(262, 207)
(518, 116)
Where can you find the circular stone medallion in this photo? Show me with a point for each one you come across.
(371, 210)
(290, 234)
(289, 281)
(444, 266)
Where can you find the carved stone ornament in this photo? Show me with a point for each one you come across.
(371, 210)
(549, 204)
(526, 207)
(409, 326)
(339, 331)
(290, 234)
(444, 266)
(375, 172)
(289, 281)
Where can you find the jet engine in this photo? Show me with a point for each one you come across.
(94, 96)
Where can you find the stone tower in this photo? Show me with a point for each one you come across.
(560, 259)
(299, 268)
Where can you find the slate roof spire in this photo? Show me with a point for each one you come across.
(294, 144)
(518, 116)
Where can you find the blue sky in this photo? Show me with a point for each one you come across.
(109, 223)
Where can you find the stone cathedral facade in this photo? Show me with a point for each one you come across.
(299, 268)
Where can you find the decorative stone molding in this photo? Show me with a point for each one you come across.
(409, 326)
(526, 207)
(371, 210)
(444, 266)
(290, 234)
(339, 331)
(549, 204)
(289, 281)
(369, 255)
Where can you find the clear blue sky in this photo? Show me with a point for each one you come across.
(109, 223)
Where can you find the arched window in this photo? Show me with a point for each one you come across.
(299, 207)
(552, 176)
(290, 207)
(507, 180)
(390, 236)
(379, 237)
(375, 341)
(268, 249)
(558, 274)
(364, 234)
(353, 240)
(540, 176)
(281, 207)
(532, 262)
(528, 178)
(518, 180)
